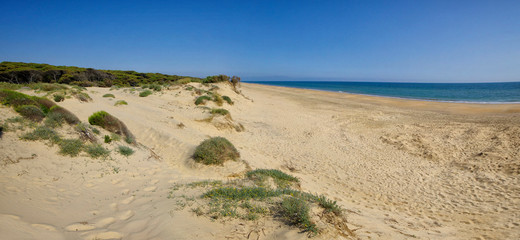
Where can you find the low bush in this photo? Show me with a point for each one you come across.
(120, 102)
(215, 150)
(218, 99)
(96, 151)
(108, 139)
(296, 211)
(145, 93)
(202, 100)
(54, 119)
(31, 112)
(15, 99)
(153, 86)
(220, 111)
(228, 100)
(70, 147)
(58, 97)
(42, 133)
(83, 97)
(69, 117)
(125, 151)
(109, 95)
(111, 124)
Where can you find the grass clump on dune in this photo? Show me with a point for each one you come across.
(31, 112)
(96, 151)
(58, 97)
(42, 133)
(296, 211)
(228, 100)
(111, 124)
(69, 117)
(120, 102)
(125, 151)
(280, 178)
(220, 111)
(145, 93)
(216, 151)
(202, 100)
(83, 97)
(109, 95)
(70, 147)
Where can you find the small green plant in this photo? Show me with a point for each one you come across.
(281, 179)
(69, 117)
(31, 112)
(145, 93)
(228, 100)
(109, 95)
(107, 139)
(83, 97)
(115, 137)
(42, 133)
(96, 151)
(120, 102)
(54, 119)
(215, 150)
(125, 151)
(98, 118)
(218, 99)
(70, 147)
(202, 100)
(58, 97)
(296, 211)
(220, 111)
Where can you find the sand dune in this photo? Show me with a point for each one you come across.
(401, 169)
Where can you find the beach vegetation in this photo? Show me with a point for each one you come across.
(31, 112)
(109, 95)
(120, 102)
(281, 179)
(83, 97)
(228, 100)
(68, 116)
(96, 151)
(70, 147)
(125, 151)
(153, 86)
(220, 111)
(108, 139)
(218, 99)
(111, 124)
(202, 100)
(42, 133)
(215, 151)
(145, 93)
(58, 97)
(54, 119)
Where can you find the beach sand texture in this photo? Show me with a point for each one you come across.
(401, 169)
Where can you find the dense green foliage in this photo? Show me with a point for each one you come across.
(58, 97)
(219, 111)
(23, 73)
(202, 100)
(228, 100)
(30, 112)
(111, 124)
(145, 93)
(120, 102)
(109, 95)
(98, 118)
(215, 150)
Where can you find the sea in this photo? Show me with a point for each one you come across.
(503, 92)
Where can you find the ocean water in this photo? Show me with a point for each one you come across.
(452, 92)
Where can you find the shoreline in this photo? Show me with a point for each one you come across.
(405, 98)
(432, 105)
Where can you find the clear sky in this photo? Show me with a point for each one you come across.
(425, 41)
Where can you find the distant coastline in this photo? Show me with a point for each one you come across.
(484, 93)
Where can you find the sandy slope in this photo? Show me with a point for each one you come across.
(402, 169)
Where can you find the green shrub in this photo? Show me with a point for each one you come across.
(296, 211)
(218, 99)
(111, 124)
(183, 81)
(228, 100)
(42, 133)
(59, 97)
(145, 93)
(107, 139)
(83, 97)
(202, 100)
(70, 147)
(96, 151)
(125, 151)
(15, 99)
(110, 95)
(69, 117)
(280, 178)
(31, 112)
(120, 102)
(220, 111)
(215, 150)
(54, 119)
(153, 86)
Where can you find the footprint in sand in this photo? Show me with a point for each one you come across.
(150, 189)
(128, 200)
(105, 236)
(126, 215)
(103, 223)
(44, 227)
(79, 227)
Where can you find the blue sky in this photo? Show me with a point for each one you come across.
(424, 41)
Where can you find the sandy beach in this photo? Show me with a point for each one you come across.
(401, 169)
